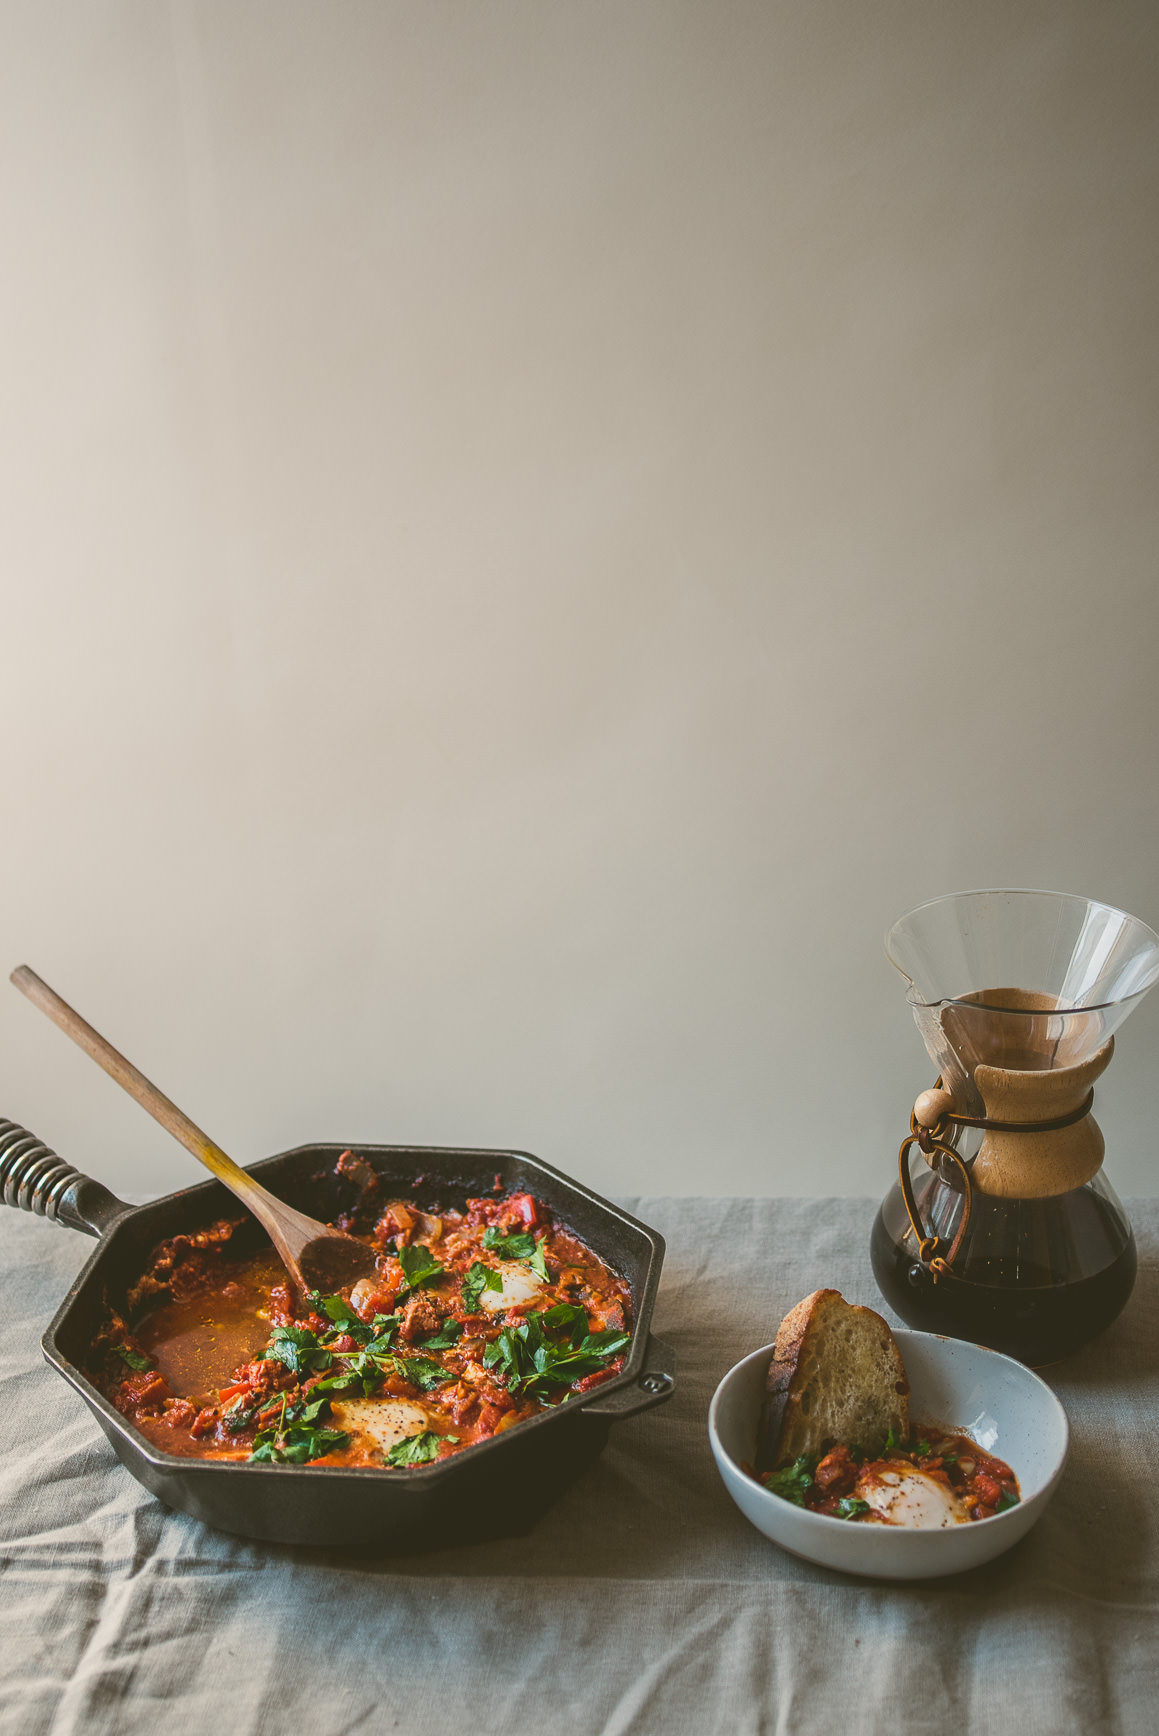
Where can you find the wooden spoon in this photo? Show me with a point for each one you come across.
(315, 1256)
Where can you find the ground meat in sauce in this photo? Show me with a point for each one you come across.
(476, 1320)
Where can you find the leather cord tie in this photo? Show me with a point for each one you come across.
(933, 1139)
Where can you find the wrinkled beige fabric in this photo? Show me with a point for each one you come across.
(642, 1603)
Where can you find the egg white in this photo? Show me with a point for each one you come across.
(379, 1423)
(519, 1285)
(911, 1498)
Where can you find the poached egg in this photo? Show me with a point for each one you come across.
(899, 1495)
(379, 1422)
(519, 1284)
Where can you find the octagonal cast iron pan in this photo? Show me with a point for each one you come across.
(497, 1488)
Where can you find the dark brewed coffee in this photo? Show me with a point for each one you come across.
(1034, 1278)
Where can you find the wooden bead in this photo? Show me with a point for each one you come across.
(931, 1105)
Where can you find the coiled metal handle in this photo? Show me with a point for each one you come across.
(34, 1179)
(32, 1176)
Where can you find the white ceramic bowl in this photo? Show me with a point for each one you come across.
(1007, 1410)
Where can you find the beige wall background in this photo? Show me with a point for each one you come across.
(532, 531)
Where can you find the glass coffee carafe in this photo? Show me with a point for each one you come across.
(1002, 1227)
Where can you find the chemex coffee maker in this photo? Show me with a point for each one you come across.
(1002, 1227)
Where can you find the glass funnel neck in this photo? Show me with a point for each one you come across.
(1029, 981)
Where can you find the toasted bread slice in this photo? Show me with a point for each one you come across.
(836, 1376)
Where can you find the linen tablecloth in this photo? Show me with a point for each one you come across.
(643, 1602)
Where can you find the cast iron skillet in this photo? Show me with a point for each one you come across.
(497, 1488)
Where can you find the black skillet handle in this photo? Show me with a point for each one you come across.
(655, 1383)
(35, 1179)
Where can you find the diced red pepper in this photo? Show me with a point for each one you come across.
(489, 1416)
(987, 1492)
(371, 1296)
(526, 1209)
(599, 1377)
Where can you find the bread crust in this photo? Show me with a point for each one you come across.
(798, 1415)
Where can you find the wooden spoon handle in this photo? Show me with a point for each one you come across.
(314, 1255)
(172, 1119)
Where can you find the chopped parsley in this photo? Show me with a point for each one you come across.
(538, 1261)
(791, 1484)
(345, 1322)
(133, 1358)
(360, 1369)
(240, 1415)
(479, 1278)
(551, 1349)
(515, 1247)
(422, 1371)
(420, 1267)
(418, 1449)
(297, 1436)
(380, 1334)
(367, 1371)
(301, 1352)
(519, 1246)
(850, 1507)
(338, 1311)
(445, 1338)
(298, 1349)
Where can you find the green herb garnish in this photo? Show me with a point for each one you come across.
(479, 1278)
(850, 1507)
(1006, 1502)
(380, 1344)
(374, 1337)
(133, 1358)
(349, 1379)
(336, 1309)
(519, 1246)
(419, 1266)
(567, 1317)
(358, 1369)
(553, 1348)
(418, 1449)
(792, 1483)
(298, 1349)
(538, 1261)
(445, 1338)
(240, 1415)
(422, 1372)
(297, 1436)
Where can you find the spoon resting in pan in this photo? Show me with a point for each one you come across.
(315, 1256)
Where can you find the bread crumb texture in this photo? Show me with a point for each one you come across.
(836, 1376)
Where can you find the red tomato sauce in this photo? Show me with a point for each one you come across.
(474, 1321)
